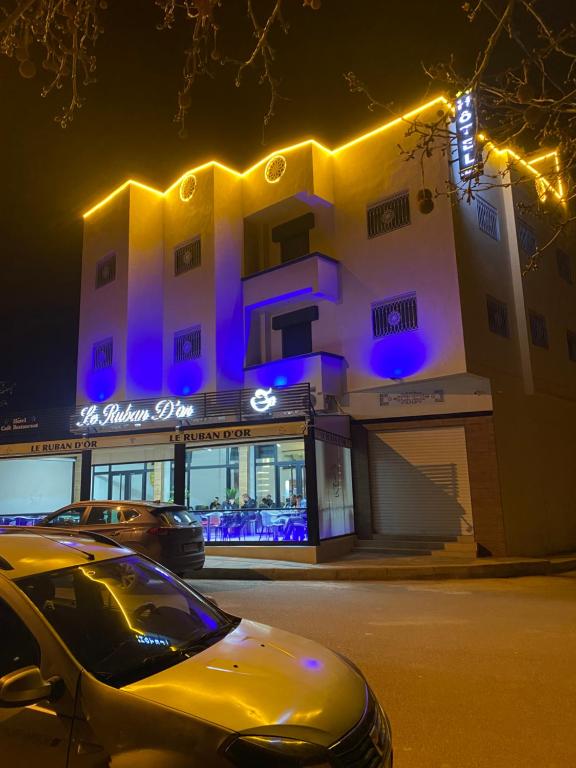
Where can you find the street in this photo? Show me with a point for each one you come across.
(473, 674)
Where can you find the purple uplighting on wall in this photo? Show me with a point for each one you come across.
(398, 356)
(185, 378)
(100, 384)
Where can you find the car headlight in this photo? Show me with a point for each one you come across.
(276, 752)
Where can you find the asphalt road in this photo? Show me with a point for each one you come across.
(473, 674)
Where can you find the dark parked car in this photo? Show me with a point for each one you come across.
(167, 533)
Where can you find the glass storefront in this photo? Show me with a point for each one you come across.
(244, 492)
(334, 478)
(48, 484)
(139, 481)
(139, 473)
(249, 492)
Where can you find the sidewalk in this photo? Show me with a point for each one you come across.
(363, 567)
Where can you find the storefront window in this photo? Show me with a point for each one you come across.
(335, 505)
(36, 486)
(138, 481)
(249, 493)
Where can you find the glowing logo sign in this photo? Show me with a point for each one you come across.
(466, 130)
(263, 400)
(115, 414)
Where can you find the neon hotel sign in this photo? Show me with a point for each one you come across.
(162, 411)
(466, 130)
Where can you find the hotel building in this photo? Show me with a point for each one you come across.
(323, 325)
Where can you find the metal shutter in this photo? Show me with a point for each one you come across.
(419, 483)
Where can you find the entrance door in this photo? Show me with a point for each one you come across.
(123, 482)
(419, 483)
(290, 480)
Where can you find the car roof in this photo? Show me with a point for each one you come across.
(128, 502)
(28, 553)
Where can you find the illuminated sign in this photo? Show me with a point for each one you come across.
(466, 134)
(114, 414)
(263, 400)
(234, 406)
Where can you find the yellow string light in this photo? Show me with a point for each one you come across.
(347, 145)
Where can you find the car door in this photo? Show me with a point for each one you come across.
(38, 734)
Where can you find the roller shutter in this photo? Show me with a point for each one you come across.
(419, 483)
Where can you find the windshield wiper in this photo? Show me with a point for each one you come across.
(160, 661)
(201, 642)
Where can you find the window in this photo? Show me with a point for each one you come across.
(538, 330)
(67, 517)
(294, 237)
(497, 316)
(102, 354)
(488, 218)
(187, 256)
(394, 315)
(296, 328)
(104, 516)
(18, 646)
(526, 238)
(106, 270)
(571, 339)
(391, 213)
(187, 344)
(564, 262)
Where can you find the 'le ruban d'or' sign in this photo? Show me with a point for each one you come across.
(165, 410)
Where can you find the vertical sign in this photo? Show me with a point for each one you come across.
(466, 130)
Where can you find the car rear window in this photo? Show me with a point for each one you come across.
(175, 516)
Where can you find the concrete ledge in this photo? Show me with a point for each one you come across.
(384, 571)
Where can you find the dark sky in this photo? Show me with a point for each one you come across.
(125, 129)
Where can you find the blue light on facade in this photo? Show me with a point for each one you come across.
(398, 356)
(282, 373)
(100, 384)
(185, 378)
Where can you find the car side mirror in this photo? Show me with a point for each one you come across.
(26, 686)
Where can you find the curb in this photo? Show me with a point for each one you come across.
(393, 572)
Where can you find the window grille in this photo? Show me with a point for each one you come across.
(187, 344)
(488, 218)
(538, 330)
(571, 339)
(526, 238)
(564, 263)
(106, 270)
(187, 257)
(497, 316)
(394, 315)
(102, 354)
(389, 214)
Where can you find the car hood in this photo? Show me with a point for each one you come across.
(259, 679)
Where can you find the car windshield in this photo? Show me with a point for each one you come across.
(125, 619)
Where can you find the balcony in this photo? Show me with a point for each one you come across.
(314, 276)
(325, 372)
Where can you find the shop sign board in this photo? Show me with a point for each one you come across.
(212, 435)
(411, 398)
(241, 405)
(467, 136)
(18, 424)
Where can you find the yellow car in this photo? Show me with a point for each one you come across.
(94, 674)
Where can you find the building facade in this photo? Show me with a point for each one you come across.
(323, 333)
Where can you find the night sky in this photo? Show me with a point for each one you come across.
(125, 129)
